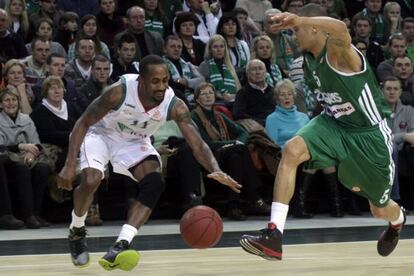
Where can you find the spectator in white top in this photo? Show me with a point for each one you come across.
(207, 25)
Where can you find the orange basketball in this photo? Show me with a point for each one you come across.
(201, 227)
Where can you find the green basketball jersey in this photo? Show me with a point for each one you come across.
(353, 99)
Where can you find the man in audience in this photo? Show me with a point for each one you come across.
(397, 45)
(79, 69)
(362, 27)
(255, 100)
(55, 66)
(407, 28)
(256, 9)
(125, 52)
(99, 78)
(148, 42)
(36, 63)
(47, 9)
(403, 70)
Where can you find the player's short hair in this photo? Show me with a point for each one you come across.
(312, 9)
(147, 61)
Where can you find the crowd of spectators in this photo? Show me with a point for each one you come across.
(242, 80)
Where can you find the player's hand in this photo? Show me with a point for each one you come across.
(225, 179)
(283, 21)
(66, 177)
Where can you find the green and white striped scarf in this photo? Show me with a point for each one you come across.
(274, 76)
(154, 24)
(243, 57)
(225, 83)
(175, 74)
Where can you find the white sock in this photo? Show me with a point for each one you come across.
(279, 214)
(77, 222)
(128, 232)
(399, 220)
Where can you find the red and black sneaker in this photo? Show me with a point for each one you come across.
(268, 244)
(390, 237)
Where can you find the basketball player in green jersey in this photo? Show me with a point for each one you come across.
(351, 133)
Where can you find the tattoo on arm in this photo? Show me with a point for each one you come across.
(182, 114)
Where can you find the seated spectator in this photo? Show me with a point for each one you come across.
(55, 118)
(402, 126)
(67, 28)
(7, 219)
(55, 66)
(109, 22)
(88, 29)
(392, 14)
(185, 26)
(255, 100)
(183, 75)
(229, 27)
(155, 19)
(281, 126)
(12, 45)
(256, 8)
(286, 49)
(47, 10)
(36, 62)
(99, 78)
(408, 33)
(79, 69)
(285, 121)
(44, 30)
(79, 7)
(248, 29)
(293, 6)
(148, 42)
(19, 18)
(18, 133)
(179, 162)
(379, 25)
(218, 70)
(362, 27)
(262, 48)
(207, 22)
(403, 70)
(397, 45)
(125, 55)
(227, 141)
(15, 81)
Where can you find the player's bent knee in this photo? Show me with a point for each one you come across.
(150, 189)
(91, 180)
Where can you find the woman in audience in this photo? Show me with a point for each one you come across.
(193, 48)
(89, 29)
(14, 76)
(392, 14)
(19, 20)
(44, 30)
(262, 48)
(219, 71)
(227, 141)
(66, 31)
(109, 23)
(229, 27)
(18, 133)
(55, 118)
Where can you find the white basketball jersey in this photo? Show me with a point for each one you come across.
(130, 121)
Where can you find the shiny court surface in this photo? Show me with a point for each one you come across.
(353, 258)
(319, 246)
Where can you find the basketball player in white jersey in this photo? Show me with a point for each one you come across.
(117, 127)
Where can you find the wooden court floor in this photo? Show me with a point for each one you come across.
(327, 259)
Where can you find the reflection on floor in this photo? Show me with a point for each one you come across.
(164, 234)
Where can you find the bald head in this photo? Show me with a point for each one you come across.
(136, 19)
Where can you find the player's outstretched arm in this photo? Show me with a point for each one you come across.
(181, 115)
(95, 111)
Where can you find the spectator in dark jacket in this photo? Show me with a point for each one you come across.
(255, 100)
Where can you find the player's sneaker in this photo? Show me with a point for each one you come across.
(390, 237)
(119, 256)
(78, 248)
(268, 244)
